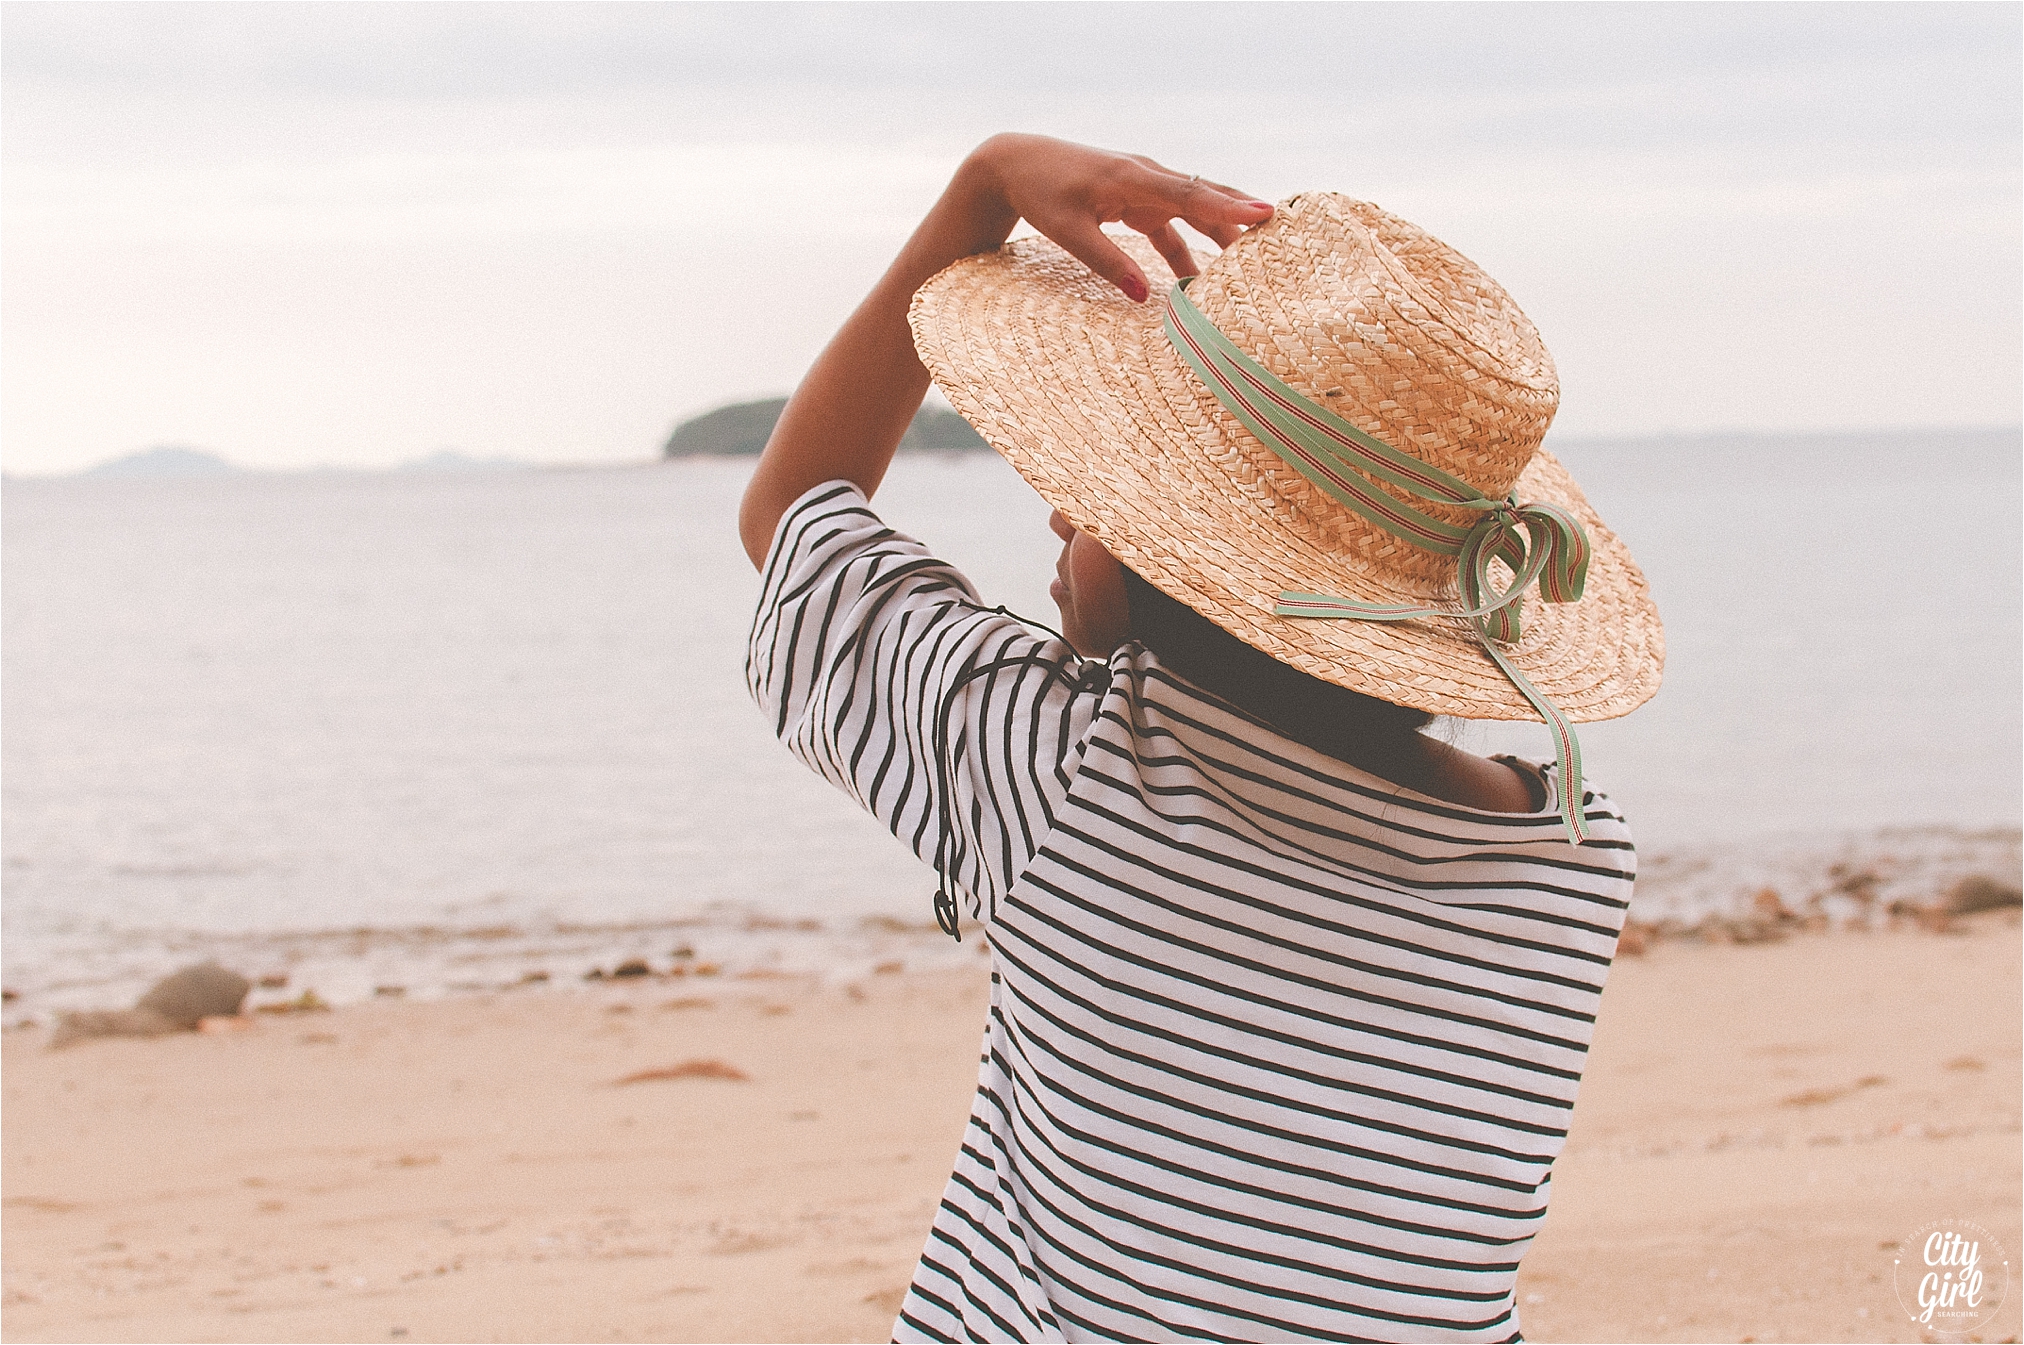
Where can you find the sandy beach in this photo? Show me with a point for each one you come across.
(1760, 1127)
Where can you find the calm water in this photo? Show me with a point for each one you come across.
(368, 722)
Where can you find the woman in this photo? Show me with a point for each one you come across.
(1289, 999)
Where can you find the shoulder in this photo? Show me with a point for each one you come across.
(828, 527)
(848, 602)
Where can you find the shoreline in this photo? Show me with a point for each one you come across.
(1750, 891)
(1756, 1122)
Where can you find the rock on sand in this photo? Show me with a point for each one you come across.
(176, 1003)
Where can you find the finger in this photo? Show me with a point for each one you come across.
(1232, 192)
(1220, 212)
(1173, 247)
(1229, 217)
(1186, 191)
(1201, 188)
(1088, 244)
(1222, 227)
(1223, 234)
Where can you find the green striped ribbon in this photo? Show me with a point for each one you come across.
(1540, 542)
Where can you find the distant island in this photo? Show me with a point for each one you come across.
(168, 460)
(745, 427)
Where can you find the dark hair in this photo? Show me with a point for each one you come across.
(1333, 720)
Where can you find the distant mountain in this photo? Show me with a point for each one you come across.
(450, 460)
(742, 427)
(168, 460)
(745, 426)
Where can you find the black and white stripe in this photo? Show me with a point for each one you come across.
(1276, 1051)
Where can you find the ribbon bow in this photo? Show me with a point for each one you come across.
(1538, 542)
(1541, 542)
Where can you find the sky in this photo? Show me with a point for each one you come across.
(356, 234)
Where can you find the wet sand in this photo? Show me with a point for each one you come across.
(1759, 1125)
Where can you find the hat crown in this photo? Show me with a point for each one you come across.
(1391, 329)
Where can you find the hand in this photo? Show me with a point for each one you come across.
(854, 405)
(1069, 192)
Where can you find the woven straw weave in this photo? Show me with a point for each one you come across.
(1360, 311)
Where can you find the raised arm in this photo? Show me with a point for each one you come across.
(846, 418)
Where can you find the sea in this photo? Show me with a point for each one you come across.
(429, 734)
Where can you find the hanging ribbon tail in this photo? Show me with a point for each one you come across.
(1567, 769)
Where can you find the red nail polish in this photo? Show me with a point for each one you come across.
(1134, 289)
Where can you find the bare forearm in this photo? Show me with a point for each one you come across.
(855, 402)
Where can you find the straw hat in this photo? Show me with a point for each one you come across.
(1362, 313)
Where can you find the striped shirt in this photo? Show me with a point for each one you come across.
(1277, 1050)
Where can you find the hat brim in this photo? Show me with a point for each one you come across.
(1078, 388)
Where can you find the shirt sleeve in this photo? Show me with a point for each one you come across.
(955, 725)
